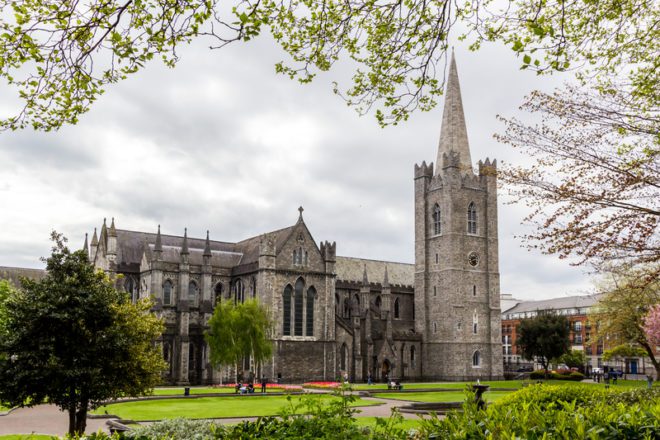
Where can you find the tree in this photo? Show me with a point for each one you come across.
(239, 330)
(75, 341)
(622, 307)
(5, 290)
(60, 55)
(573, 359)
(594, 188)
(652, 325)
(543, 337)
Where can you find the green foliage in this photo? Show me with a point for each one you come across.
(541, 374)
(573, 359)
(174, 429)
(75, 341)
(5, 290)
(543, 337)
(554, 412)
(623, 351)
(237, 330)
(60, 55)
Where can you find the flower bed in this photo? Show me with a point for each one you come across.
(322, 385)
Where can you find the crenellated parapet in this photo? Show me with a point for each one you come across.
(424, 170)
(488, 168)
(329, 251)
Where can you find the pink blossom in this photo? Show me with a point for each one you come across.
(652, 325)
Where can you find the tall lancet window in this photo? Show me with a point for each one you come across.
(437, 225)
(475, 323)
(193, 291)
(472, 219)
(309, 312)
(167, 292)
(298, 308)
(286, 311)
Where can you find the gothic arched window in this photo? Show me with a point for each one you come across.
(167, 292)
(476, 359)
(347, 307)
(472, 219)
(239, 291)
(337, 302)
(412, 356)
(309, 328)
(396, 308)
(344, 356)
(437, 225)
(475, 323)
(218, 293)
(193, 291)
(295, 256)
(286, 311)
(298, 308)
(378, 301)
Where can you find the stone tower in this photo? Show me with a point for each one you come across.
(457, 285)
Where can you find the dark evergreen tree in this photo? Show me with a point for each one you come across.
(75, 341)
(543, 337)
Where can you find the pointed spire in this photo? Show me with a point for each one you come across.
(86, 245)
(112, 232)
(184, 247)
(386, 281)
(453, 134)
(95, 239)
(365, 280)
(159, 245)
(207, 246)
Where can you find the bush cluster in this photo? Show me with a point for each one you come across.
(555, 412)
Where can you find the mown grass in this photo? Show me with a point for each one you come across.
(26, 437)
(445, 396)
(178, 391)
(206, 407)
(511, 384)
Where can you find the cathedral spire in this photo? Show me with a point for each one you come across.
(386, 281)
(365, 280)
(95, 239)
(453, 134)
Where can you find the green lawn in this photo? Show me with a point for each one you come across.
(513, 384)
(178, 391)
(445, 396)
(205, 407)
(26, 437)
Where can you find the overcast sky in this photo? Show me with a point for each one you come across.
(223, 143)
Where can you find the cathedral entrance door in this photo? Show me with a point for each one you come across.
(385, 370)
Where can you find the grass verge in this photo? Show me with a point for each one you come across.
(446, 396)
(205, 407)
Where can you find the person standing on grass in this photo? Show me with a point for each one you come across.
(264, 381)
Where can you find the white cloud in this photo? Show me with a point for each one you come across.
(222, 143)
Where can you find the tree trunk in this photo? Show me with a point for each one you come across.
(72, 420)
(649, 351)
(81, 417)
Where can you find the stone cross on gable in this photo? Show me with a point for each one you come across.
(300, 210)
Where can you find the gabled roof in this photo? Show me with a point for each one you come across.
(250, 246)
(352, 270)
(570, 302)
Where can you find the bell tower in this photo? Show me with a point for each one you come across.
(457, 287)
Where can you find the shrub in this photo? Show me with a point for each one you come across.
(538, 374)
(177, 429)
(554, 412)
(576, 376)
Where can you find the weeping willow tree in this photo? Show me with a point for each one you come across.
(237, 331)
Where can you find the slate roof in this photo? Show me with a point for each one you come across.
(13, 274)
(250, 247)
(352, 269)
(570, 302)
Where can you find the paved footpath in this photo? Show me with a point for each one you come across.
(43, 419)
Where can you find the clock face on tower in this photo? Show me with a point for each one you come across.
(473, 259)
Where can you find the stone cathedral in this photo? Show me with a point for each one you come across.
(333, 315)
